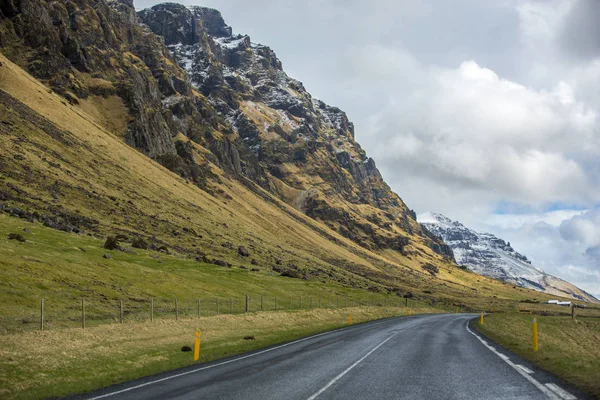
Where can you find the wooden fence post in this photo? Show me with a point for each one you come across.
(247, 303)
(261, 302)
(121, 311)
(82, 313)
(42, 315)
(573, 311)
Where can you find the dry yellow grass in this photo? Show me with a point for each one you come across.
(568, 348)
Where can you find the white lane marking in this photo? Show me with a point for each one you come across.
(525, 369)
(334, 380)
(560, 391)
(535, 383)
(219, 364)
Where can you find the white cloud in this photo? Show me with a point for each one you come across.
(583, 229)
(467, 127)
(515, 221)
(563, 243)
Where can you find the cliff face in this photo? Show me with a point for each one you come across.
(97, 48)
(305, 146)
(194, 96)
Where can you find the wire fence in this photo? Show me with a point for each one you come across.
(61, 313)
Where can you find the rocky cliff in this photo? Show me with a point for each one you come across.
(178, 85)
(305, 147)
(491, 256)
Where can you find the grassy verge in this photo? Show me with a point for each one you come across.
(57, 363)
(570, 349)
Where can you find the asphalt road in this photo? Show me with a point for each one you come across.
(419, 357)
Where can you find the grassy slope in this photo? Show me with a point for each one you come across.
(64, 267)
(57, 363)
(568, 348)
(96, 175)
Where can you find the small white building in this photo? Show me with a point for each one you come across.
(552, 301)
(564, 303)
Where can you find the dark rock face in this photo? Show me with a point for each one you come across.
(437, 244)
(242, 251)
(103, 39)
(112, 243)
(139, 243)
(16, 236)
(221, 263)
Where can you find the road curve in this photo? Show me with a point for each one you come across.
(419, 357)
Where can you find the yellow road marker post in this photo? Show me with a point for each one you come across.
(410, 311)
(197, 346)
(350, 319)
(534, 335)
(481, 319)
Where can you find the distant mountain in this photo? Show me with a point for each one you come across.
(491, 256)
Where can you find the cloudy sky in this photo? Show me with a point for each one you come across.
(485, 111)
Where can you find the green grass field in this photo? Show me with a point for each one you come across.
(568, 348)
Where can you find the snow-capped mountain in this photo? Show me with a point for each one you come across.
(488, 255)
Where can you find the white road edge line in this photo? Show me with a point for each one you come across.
(560, 391)
(524, 368)
(217, 365)
(334, 380)
(544, 389)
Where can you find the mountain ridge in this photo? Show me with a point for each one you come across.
(488, 255)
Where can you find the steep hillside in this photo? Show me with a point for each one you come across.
(488, 255)
(231, 106)
(103, 133)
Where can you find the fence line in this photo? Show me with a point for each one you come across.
(58, 313)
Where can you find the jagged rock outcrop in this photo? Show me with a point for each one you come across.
(287, 129)
(491, 256)
(198, 96)
(89, 47)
